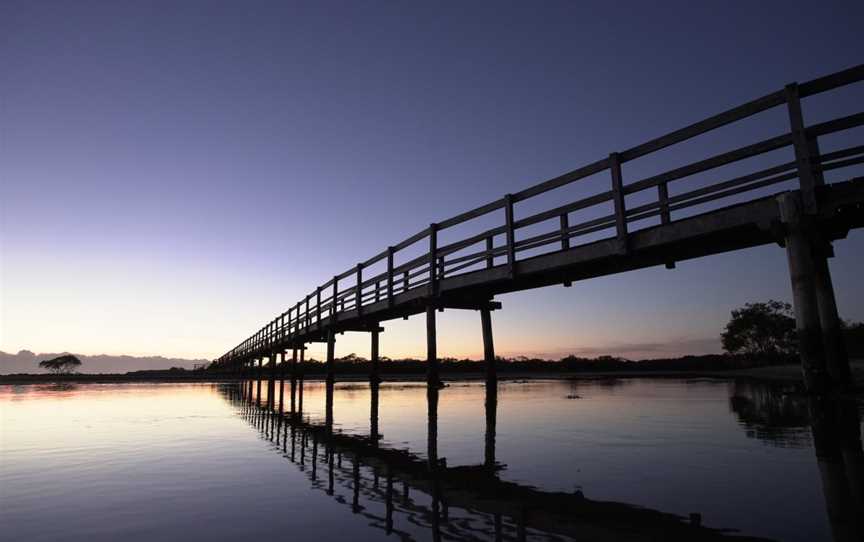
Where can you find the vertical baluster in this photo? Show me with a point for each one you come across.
(390, 276)
(318, 306)
(433, 256)
(333, 307)
(358, 289)
(511, 235)
(618, 198)
(806, 151)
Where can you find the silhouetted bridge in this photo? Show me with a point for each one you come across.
(464, 261)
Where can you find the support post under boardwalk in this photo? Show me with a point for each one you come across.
(300, 378)
(271, 385)
(374, 372)
(293, 379)
(331, 356)
(374, 380)
(282, 381)
(836, 356)
(491, 387)
(432, 375)
(802, 273)
(331, 379)
(258, 385)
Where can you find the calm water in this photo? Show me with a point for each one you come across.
(548, 460)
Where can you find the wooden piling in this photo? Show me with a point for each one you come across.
(374, 381)
(258, 379)
(374, 362)
(432, 374)
(331, 356)
(802, 273)
(300, 378)
(282, 381)
(836, 356)
(293, 380)
(491, 403)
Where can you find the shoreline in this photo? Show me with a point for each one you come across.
(777, 373)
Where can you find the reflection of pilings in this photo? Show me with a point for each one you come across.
(491, 422)
(314, 456)
(853, 452)
(389, 501)
(479, 493)
(329, 453)
(834, 440)
(374, 437)
(432, 426)
(355, 501)
(328, 405)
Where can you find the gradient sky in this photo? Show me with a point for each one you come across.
(174, 174)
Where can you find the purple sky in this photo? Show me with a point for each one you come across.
(174, 174)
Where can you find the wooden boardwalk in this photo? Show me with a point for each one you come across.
(628, 224)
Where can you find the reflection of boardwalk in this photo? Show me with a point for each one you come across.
(627, 224)
(778, 417)
(461, 503)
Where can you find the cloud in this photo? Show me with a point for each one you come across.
(26, 361)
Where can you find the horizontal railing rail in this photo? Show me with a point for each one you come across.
(353, 289)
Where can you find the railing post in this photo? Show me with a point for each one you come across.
(806, 151)
(511, 235)
(565, 235)
(665, 216)
(490, 259)
(565, 238)
(318, 306)
(663, 198)
(618, 198)
(405, 281)
(433, 257)
(333, 308)
(358, 290)
(308, 314)
(390, 276)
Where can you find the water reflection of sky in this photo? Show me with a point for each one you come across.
(138, 460)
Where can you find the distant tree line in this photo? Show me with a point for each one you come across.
(757, 334)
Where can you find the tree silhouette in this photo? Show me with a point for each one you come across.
(61, 365)
(764, 330)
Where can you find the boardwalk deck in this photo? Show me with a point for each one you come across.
(512, 256)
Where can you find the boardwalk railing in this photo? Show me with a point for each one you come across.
(360, 285)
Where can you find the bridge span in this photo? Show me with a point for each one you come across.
(690, 211)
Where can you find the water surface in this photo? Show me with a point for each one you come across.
(609, 459)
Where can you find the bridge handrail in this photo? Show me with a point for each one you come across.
(427, 269)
